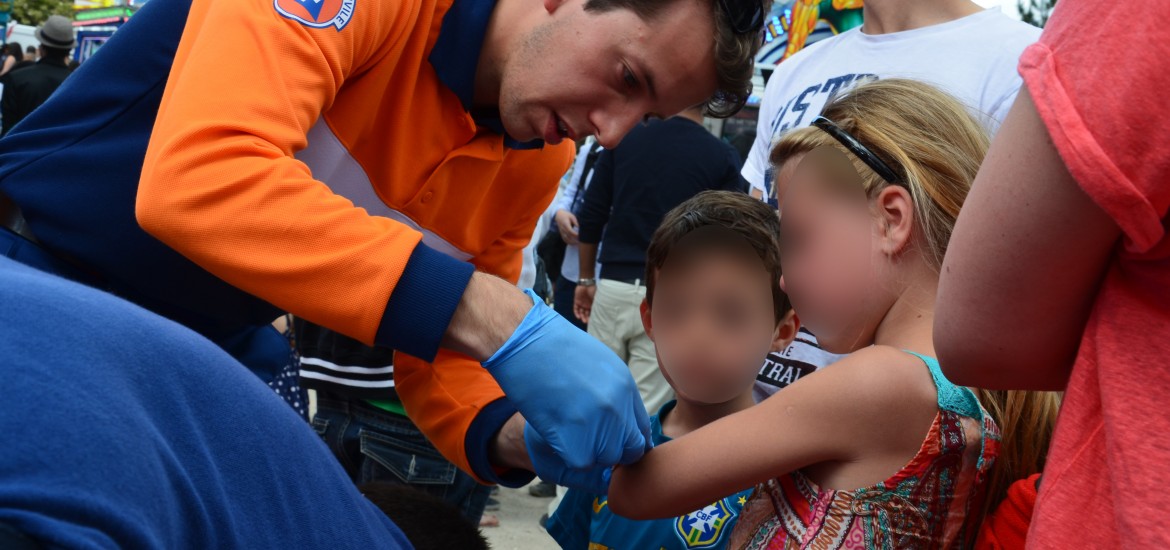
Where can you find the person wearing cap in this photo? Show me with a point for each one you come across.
(28, 87)
(375, 168)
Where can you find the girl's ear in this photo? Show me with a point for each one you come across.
(895, 216)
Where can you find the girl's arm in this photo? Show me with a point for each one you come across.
(859, 408)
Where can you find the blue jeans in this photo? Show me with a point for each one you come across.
(377, 445)
(563, 301)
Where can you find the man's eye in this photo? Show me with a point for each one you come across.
(629, 77)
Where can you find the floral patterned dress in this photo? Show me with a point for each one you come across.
(932, 502)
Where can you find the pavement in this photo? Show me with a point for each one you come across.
(519, 516)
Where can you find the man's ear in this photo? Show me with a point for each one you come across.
(786, 331)
(895, 210)
(646, 324)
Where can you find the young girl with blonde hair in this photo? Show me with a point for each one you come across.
(878, 450)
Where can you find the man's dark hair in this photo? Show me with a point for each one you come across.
(31, 50)
(735, 53)
(427, 522)
(58, 54)
(751, 218)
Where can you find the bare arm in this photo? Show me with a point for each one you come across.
(1019, 278)
(858, 409)
(587, 256)
(488, 313)
(507, 449)
(583, 295)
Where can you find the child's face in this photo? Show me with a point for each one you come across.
(713, 324)
(783, 176)
(833, 270)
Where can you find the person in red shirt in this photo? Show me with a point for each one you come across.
(1058, 274)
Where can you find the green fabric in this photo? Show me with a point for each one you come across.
(390, 405)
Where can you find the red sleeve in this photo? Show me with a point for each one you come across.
(1098, 76)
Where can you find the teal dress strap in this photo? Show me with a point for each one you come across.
(957, 399)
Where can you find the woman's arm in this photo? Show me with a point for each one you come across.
(1028, 251)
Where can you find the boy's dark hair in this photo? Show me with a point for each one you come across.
(735, 53)
(751, 218)
(427, 522)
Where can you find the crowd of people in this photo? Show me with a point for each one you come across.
(28, 78)
(929, 309)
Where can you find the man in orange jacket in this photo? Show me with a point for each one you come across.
(376, 168)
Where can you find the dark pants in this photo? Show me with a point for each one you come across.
(377, 445)
(563, 301)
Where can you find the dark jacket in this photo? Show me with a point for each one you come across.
(27, 88)
(657, 167)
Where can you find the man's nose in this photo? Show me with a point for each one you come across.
(614, 123)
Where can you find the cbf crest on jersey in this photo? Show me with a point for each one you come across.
(319, 14)
(702, 528)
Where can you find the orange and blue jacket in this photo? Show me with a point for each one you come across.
(315, 157)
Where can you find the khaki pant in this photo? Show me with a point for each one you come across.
(616, 320)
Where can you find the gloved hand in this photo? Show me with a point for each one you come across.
(572, 390)
(551, 467)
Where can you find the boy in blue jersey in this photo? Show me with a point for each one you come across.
(714, 308)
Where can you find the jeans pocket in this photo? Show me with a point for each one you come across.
(409, 462)
(320, 425)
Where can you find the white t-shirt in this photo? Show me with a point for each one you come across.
(573, 186)
(973, 58)
(802, 358)
(528, 267)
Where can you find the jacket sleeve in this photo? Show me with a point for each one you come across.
(454, 401)
(221, 186)
(598, 200)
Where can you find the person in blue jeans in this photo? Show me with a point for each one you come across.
(363, 423)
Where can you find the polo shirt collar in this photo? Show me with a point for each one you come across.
(455, 56)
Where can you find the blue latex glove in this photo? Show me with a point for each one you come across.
(572, 390)
(550, 467)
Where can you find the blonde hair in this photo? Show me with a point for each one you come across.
(1026, 420)
(935, 147)
(930, 140)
